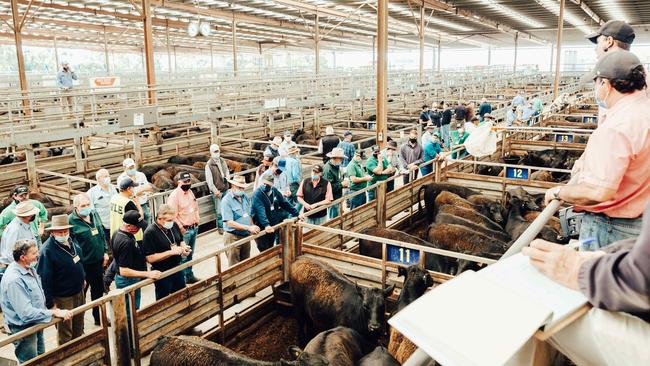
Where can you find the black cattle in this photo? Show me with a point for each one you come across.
(341, 346)
(517, 224)
(378, 357)
(323, 299)
(432, 190)
(416, 282)
(192, 350)
(373, 249)
(528, 200)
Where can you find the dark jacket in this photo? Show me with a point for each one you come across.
(263, 216)
(332, 174)
(484, 108)
(620, 280)
(329, 142)
(90, 237)
(410, 154)
(60, 275)
(446, 117)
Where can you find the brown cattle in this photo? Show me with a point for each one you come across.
(192, 350)
(470, 215)
(542, 175)
(341, 346)
(553, 223)
(460, 239)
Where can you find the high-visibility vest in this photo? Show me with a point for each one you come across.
(118, 202)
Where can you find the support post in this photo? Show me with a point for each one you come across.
(18, 38)
(288, 248)
(137, 149)
(211, 59)
(30, 160)
(121, 329)
(169, 53)
(381, 204)
(560, 28)
(106, 58)
(78, 156)
(317, 44)
(148, 49)
(374, 50)
(234, 45)
(439, 52)
(550, 69)
(489, 62)
(421, 37)
(56, 55)
(514, 66)
(382, 79)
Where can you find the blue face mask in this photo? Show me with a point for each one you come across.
(601, 102)
(239, 193)
(85, 211)
(131, 171)
(62, 239)
(315, 177)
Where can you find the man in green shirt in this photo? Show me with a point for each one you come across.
(380, 169)
(332, 172)
(21, 194)
(358, 180)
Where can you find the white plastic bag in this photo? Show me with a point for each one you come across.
(482, 141)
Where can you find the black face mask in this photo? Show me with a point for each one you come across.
(413, 140)
(32, 218)
(278, 172)
(186, 187)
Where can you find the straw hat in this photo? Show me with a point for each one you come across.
(26, 208)
(239, 181)
(59, 222)
(336, 152)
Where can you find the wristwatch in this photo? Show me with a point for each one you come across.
(556, 193)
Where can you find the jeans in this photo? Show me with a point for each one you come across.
(217, 210)
(293, 187)
(146, 213)
(606, 230)
(316, 220)
(410, 176)
(266, 241)
(446, 137)
(371, 194)
(122, 282)
(94, 280)
(333, 211)
(28, 347)
(169, 285)
(357, 200)
(190, 239)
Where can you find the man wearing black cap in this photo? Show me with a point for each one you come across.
(21, 194)
(129, 258)
(610, 182)
(615, 35)
(123, 202)
(182, 200)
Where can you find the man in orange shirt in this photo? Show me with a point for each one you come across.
(187, 217)
(610, 182)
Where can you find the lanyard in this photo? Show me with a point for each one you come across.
(171, 241)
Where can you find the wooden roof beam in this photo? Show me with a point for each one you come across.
(592, 14)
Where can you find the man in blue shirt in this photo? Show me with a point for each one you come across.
(511, 116)
(269, 207)
(23, 301)
(528, 113)
(432, 149)
(64, 80)
(348, 148)
(294, 173)
(237, 221)
(518, 100)
(18, 229)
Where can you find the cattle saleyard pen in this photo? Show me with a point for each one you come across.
(85, 85)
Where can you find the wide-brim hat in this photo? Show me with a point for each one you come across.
(59, 222)
(25, 209)
(293, 150)
(239, 181)
(337, 152)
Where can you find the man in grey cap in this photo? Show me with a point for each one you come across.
(610, 182)
(612, 36)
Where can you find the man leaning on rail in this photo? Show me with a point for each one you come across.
(616, 281)
(610, 182)
(23, 301)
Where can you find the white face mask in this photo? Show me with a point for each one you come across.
(168, 225)
(216, 155)
(106, 181)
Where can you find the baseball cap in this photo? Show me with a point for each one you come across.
(267, 178)
(287, 133)
(20, 189)
(128, 162)
(616, 29)
(126, 183)
(615, 65)
(214, 148)
(131, 217)
(347, 133)
(277, 140)
(392, 145)
(184, 177)
(317, 168)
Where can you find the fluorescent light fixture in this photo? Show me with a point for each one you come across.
(576, 21)
(513, 14)
(616, 12)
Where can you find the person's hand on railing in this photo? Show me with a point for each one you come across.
(154, 275)
(105, 262)
(308, 207)
(177, 250)
(253, 229)
(186, 249)
(62, 313)
(269, 230)
(551, 194)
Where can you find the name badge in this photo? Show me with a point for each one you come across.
(272, 207)
(245, 215)
(94, 231)
(76, 259)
